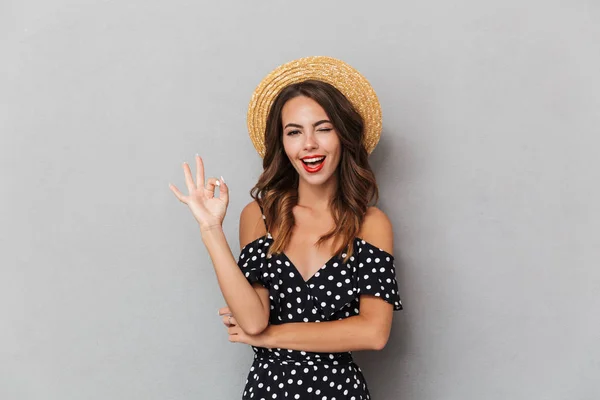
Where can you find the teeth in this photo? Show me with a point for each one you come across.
(313, 159)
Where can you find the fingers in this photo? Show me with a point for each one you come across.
(224, 310)
(235, 333)
(189, 181)
(227, 317)
(209, 188)
(228, 320)
(224, 191)
(199, 171)
(234, 330)
(178, 194)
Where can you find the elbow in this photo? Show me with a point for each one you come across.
(379, 340)
(256, 328)
(377, 332)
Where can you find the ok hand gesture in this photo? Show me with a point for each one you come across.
(208, 210)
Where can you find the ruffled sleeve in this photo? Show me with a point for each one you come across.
(376, 274)
(251, 262)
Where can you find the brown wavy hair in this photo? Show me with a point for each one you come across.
(277, 188)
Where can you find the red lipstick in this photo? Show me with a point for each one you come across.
(315, 169)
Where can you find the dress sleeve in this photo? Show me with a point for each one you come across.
(251, 262)
(376, 274)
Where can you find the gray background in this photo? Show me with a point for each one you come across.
(488, 168)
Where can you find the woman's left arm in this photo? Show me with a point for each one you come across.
(369, 330)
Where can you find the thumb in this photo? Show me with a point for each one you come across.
(224, 191)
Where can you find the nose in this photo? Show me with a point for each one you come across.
(310, 141)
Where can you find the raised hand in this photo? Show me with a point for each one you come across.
(208, 210)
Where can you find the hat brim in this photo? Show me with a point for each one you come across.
(353, 85)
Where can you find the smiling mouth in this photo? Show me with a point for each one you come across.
(314, 166)
(315, 163)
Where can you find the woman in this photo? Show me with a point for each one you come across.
(316, 280)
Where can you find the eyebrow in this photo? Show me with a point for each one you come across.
(300, 126)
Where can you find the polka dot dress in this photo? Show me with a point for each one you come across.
(332, 293)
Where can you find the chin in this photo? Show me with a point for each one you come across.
(316, 179)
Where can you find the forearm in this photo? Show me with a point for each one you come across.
(349, 334)
(240, 296)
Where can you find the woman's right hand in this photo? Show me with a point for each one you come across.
(208, 210)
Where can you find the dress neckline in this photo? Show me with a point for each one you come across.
(317, 272)
(268, 236)
(356, 238)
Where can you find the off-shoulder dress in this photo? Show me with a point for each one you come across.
(331, 293)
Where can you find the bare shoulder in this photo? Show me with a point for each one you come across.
(377, 229)
(251, 209)
(251, 224)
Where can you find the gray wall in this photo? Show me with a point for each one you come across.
(488, 168)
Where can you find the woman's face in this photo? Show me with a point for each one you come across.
(308, 133)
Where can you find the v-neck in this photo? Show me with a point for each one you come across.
(314, 275)
(268, 236)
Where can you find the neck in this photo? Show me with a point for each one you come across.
(316, 197)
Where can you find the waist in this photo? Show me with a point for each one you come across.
(296, 357)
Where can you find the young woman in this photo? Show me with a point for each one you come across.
(315, 278)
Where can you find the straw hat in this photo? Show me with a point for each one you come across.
(346, 79)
